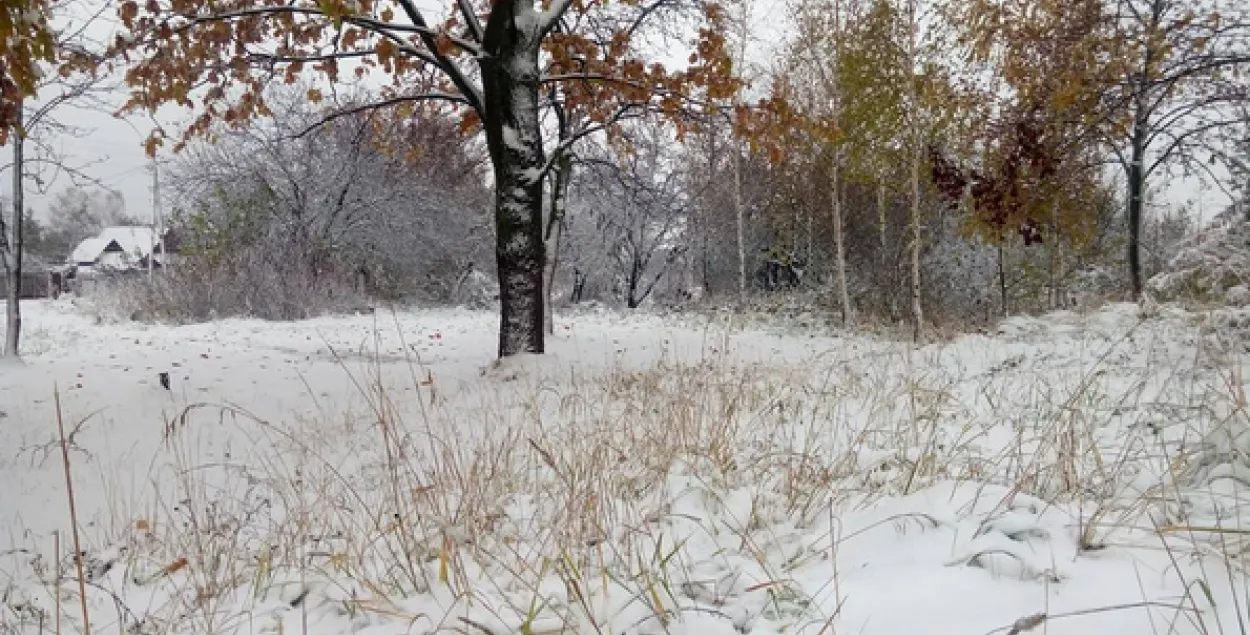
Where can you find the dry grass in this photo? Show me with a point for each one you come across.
(552, 504)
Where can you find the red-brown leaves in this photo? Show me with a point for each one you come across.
(771, 125)
(217, 49)
(128, 11)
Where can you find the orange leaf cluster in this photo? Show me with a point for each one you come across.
(25, 41)
(772, 125)
(214, 57)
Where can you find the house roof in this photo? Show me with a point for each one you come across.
(88, 250)
(137, 241)
(134, 241)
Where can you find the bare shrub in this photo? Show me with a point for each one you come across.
(249, 286)
(303, 216)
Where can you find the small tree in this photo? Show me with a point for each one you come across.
(634, 198)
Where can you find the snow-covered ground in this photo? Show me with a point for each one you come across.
(379, 474)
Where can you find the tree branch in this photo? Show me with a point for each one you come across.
(572, 138)
(1165, 122)
(429, 38)
(387, 103)
(471, 20)
(643, 15)
(472, 95)
(274, 58)
(551, 17)
(359, 21)
(1178, 140)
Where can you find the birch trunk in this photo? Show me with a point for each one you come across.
(713, 177)
(883, 259)
(740, 63)
(1002, 279)
(839, 238)
(1056, 256)
(510, 77)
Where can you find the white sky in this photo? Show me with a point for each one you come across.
(112, 152)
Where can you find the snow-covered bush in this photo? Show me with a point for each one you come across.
(1210, 267)
(330, 211)
(249, 285)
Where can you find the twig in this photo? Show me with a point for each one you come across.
(73, 515)
(1028, 623)
(56, 549)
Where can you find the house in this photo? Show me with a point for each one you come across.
(122, 249)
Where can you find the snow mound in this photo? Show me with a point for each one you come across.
(1210, 267)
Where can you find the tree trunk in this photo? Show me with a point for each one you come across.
(1057, 298)
(741, 224)
(883, 259)
(510, 73)
(713, 176)
(809, 250)
(12, 252)
(555, 230)
(1002, 277)
(916, 309)
(1136, 193)
(839, 246)
(631, 282)
(839, 238)
(740, 63)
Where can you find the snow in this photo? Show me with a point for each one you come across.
(512, 140)
(88, 250)
(132, 240)
(649, 474)
(1210, 266)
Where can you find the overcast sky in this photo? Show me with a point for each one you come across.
(111, 151)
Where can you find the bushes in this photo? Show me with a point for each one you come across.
(1212, 266)
(288, 218)
(248, 287)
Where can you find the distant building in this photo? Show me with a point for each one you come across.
(122, 249)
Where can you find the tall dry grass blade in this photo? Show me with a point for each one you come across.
(73, 516)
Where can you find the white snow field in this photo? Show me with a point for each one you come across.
(377, 474)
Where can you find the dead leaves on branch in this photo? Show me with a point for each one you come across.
(26, 41)
(215, 56)
(36, 58)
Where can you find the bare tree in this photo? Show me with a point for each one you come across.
(395, 206)
(631, 211)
